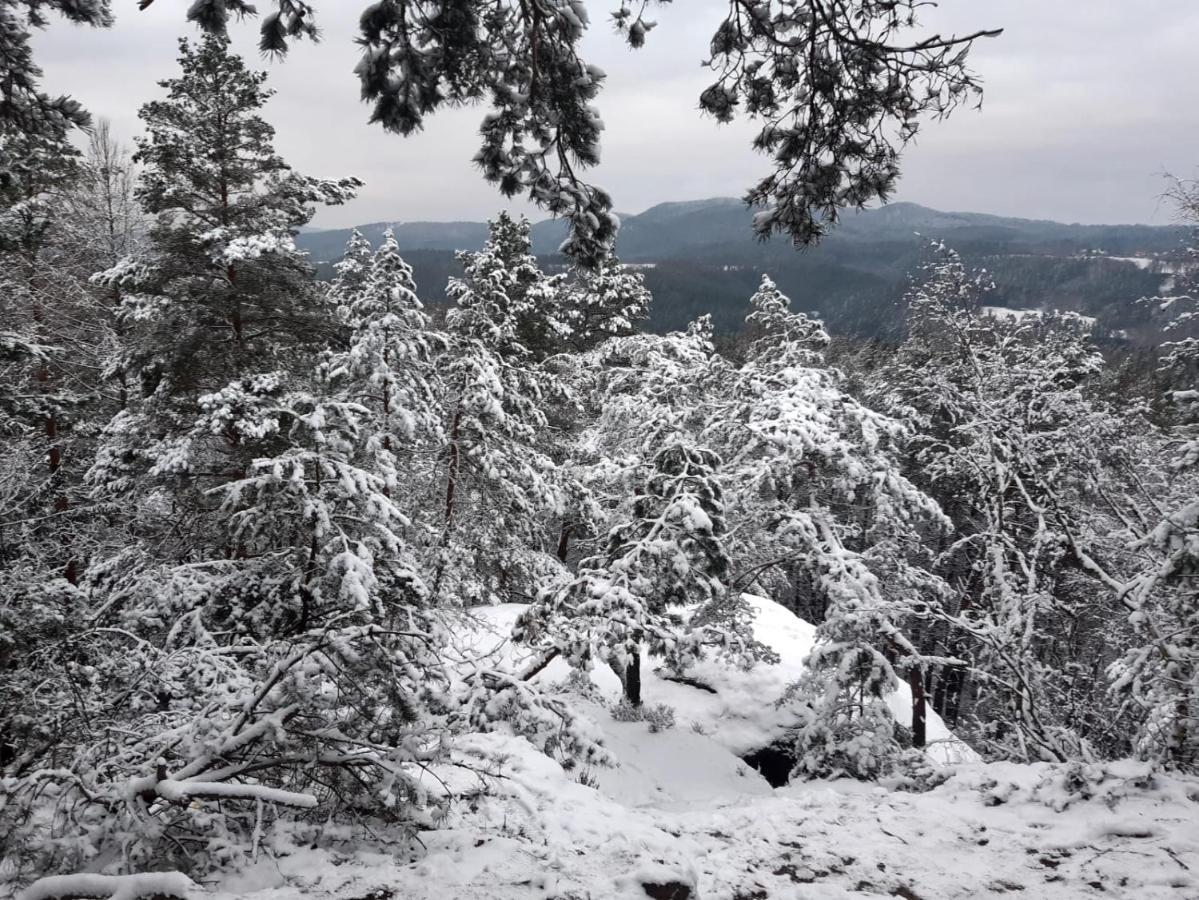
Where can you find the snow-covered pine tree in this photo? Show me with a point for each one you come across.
(496, 485)
(634, 394)
(392, 347)
(660, 583)
(218, 291)
(828, 524)
(261, 640)
(298, 672)
(350, 272)
(602, 302)
(1010, 438)
(504, 299)
(29, 116)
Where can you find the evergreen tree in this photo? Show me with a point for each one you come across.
(391, 349)
(219, 290)
(830, 525)
(661, 583)
(504, 300)
(29, 118)
(603, 302)
(350, 272)
(497, 484)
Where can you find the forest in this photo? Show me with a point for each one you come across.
(286, 561)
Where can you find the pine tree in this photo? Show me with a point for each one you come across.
(660, 584)
(263, 635)
(219, 291)
(504, 300)
(350, 272)
(30, 118)
(392, 348)
(497, 485)
(828, 524)
(602, 302)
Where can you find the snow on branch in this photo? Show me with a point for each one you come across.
(110, 887)
(182, 791)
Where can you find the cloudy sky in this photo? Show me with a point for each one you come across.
(1087, 103)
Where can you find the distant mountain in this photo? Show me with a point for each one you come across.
(702, 257)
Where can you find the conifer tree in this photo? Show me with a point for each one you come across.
(830, 524)
(29, 118)
(350, 272)
(391, 348)
(602, 302)
(659, 585)
(497, 484)
(219, 290)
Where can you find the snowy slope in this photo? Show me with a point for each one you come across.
(741, 715)
(989, 831)
(681, 809)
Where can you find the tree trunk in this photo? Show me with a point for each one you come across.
(632, 680)
(919, 707)
(451, 480)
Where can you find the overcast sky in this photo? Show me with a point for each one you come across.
(1087, 103)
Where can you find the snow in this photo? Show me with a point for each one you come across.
(989, 830)
(1140, 262)
(184, 790)
(1003, 312)
(1007, 313)
(740, 714)
(113, 887)
(676, 769)
(680, 807)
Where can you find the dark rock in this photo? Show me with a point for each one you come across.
(669, 890)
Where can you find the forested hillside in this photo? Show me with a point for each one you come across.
(700, 257)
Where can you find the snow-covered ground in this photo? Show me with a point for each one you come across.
(739, 711)
(989, 831)
(1003, 312)
(681, 815)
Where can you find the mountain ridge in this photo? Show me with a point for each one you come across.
(725, 219)
(706, 260)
